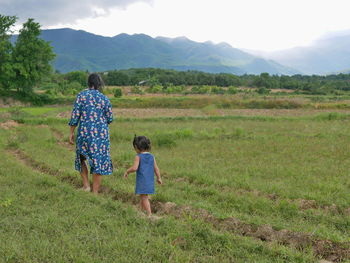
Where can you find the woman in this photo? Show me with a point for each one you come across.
(93, 111)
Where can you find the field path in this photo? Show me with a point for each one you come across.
(325, 249)
(303, 204)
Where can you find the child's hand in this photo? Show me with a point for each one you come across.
(126, 175)
(159, 181)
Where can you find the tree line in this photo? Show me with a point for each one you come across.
(26, 64)
(314, 84)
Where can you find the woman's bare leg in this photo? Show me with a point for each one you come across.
(145, 205)
(84, 174)
(96, 182)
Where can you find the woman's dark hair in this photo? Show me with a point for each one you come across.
(95, 81)
(142, 143)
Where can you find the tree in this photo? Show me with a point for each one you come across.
(6, 70)
(78, 76)
(117, 78)
(31, 57)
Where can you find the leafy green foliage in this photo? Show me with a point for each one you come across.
(31, 57)
(77, 76)
(136, 90)
(160, 80)
(118, 92)
(6, 70)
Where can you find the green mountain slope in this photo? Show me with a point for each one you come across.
(80, 50)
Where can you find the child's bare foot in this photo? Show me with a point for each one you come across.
(86, 189)
(154, 218)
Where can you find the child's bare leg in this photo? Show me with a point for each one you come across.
(145, 205)
(84, 174)
(96, 182)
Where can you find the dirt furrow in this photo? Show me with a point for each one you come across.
(326, 249)
(303, 204)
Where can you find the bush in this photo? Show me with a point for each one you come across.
(50, 86)
(263, 90)
(136, 90)
(74, 88)
(200, 89)
(156, 89)
(232, 90)
(118, 92)
(174, 89)
(217, 90)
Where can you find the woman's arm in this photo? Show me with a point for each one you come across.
(134, 167)
(76, 112)
(71, 136)
(108, 112)
(75, 117)
(157, 172)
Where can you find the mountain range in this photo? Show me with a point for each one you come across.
(80, 50)
(328, 54)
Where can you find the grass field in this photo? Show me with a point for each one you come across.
(264, 187)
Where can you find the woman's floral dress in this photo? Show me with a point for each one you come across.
(93, 111)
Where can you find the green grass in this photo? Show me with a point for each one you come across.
(45, 220)
(227, 165)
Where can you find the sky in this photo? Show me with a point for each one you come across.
(265, 25)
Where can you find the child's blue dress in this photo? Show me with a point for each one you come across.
(145, 174)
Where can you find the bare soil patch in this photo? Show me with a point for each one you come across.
(9, 124)
(149, 113)
(164, 112)
(10, 102)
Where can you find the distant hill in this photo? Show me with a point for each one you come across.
(330, 54)
(80, 50)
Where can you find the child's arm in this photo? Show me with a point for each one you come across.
(134, 167)
(156, 171)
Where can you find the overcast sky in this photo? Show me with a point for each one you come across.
(251, 24)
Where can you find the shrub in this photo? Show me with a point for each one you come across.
(200, 89)
(156, 89)
(136, 90)
(263, 90)
(232, 90)
(50, 86)
(217, 90)
(118, 92)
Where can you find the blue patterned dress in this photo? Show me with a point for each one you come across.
(93, 112)
(145, 174)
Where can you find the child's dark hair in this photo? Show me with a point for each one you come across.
(95, 81)
(142, 143)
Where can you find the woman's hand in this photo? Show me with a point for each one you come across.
(126, 174)
(71, 138)
(159, 181)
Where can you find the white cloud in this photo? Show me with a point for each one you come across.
(251, 24)
(52, 12)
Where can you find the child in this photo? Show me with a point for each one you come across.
(145, 167)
